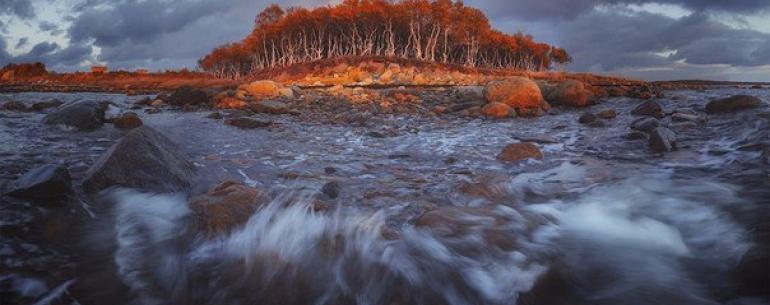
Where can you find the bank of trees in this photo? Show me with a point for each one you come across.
(436, 31)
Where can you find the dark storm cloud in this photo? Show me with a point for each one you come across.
(22, 42)
(47, 26)
(20, 8)
(42, 49)
(568, 9)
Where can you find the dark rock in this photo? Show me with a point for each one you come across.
(645, 124)
(40, 106)
(128, 120)
(520, 151)
(84, 115)
(152, 110)
(375, 134)
(662, 139)
(215, 116)
(587, 118)
(50, 183)
(732, 104)
(634, 135)
(331, 189)
(607, 114)
(596, 124)
(649, 108)
(187, 95)
(330, 170)
(14, 106)
(226, 207)
(271, 107)
(144, 102)
(247, 123)
(143, 159)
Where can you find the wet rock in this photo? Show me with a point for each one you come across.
(152, 110)
(143, 102)
(331, 189)
(662, 139)
(733, 104)
(14, 106)
(483, 222)
(520, 151)
(49, 183)
(521, 94)
(230, 103)
(498, 110)
(596, 124)
(84, 115)
(538, 138)
(682, 117)
(607, 114)
(587, 118)
(187, 95)
(271, 107)
(330, 170)
(649, 108)
(570, 93)
(645, 124)
(158, 103)
(375, 134)
(226, 207)
(40, 106)
(144, 159)
(634, 135)
(689, 111)
(247, 123)
(128, 120)
(617, 91)
(214, 116)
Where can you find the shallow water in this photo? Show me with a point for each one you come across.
(601, 220)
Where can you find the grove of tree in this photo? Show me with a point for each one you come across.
(435, 31)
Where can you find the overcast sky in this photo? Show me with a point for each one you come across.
(663, 39)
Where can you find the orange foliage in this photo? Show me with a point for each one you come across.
(435, 31)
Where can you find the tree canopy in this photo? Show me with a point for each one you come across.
(436, 31)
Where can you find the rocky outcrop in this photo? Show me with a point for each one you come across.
(144, 159)
(226, 207)
(49, 183)
(733, 104)
(84, 115)
(570, 93)
(521, 94)
(187, 95)
(519, 152)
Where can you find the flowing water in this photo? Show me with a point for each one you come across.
(601, 220)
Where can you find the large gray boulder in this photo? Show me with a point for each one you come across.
(83, 115)
(143, 159)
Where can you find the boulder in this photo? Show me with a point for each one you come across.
(488, 223)
(247, 123)
(83, 115)
(230, 103)
(128, 120)
(271, 107)
(607, 114)
(634, 135)
(645, 124)
(50, 183)
(649, 108)
(570, 93)
(733, 104)
(14, 106)
(40, 106)
(520, 151)
(331, 189)
(587, 118)
(662, 139)
(498, 110)
(226, 207)
(214, 116)
(144, 159)
(262, 88)
(187, 95)
(522, 94)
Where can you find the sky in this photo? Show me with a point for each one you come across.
(654, 40)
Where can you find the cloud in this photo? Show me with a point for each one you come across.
(20, 8)
(22, 42)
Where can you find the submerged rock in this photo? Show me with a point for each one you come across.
(14, 106)
(187, 95)
(128, 120)
(498, 110)
(649, 108)
(331, 189)
(519, 152)
(733, 104)
(50, 182)
(570, 93)
(587, 118)
(226, 207)
(40, 106)
(662, 139)
(247, 123)
(522, 94)
(683, 117)
(634, 135)
(645, 124)
(84, 115)
(144, 159)
(607, 114)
